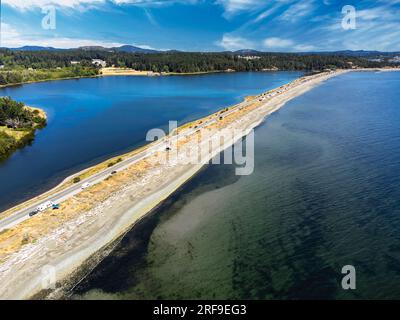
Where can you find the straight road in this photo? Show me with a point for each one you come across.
(73, 190)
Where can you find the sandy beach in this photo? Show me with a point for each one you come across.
(112, 71)
(97, 217)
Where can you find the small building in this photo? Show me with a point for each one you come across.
(2, 66)
(99, 63)
(395, 59)
(248, 58)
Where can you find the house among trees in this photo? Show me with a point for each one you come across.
(249, 58)
(395, 60)
(99, 63)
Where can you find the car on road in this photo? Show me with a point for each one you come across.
(114, 172)
(85, 185)
(35, 212)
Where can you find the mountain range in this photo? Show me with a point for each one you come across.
(134, 49)
(125, 48)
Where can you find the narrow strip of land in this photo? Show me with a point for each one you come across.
(90, 218)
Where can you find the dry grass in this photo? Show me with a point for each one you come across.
(41, 114)
(13, 239)
(17, 134)
(122, 72)
(69, 181)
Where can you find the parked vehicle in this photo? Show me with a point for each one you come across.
(114, 172)
(35, 212)
(56, 206)
(45, 206)
(85, 185)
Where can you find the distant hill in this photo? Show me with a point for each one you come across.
(243, 52)
(356, 53)
(95, 48)
(359, 53)
(125, 48)
(133, 49)
(346, 53)
(247, 52)
(34, 48)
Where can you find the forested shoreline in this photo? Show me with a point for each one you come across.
(28, 66)
(18, 124)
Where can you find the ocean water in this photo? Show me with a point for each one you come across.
(91, 120)
(325, 193)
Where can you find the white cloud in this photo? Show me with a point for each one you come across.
(229, 42)
(390, 2)
(28, 4)
(8, 34)
(154, 2)
(150, 17)
(265, 14)
(378, 28)
(304, 48)
(233, 43)
(11, 38)
(384, 37)
(277, 43)
(235, 6)
(298, 10)
(288, 45)
(378, 13)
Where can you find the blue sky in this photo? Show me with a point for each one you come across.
(204, 25)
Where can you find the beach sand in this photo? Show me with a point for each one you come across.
(122, 72)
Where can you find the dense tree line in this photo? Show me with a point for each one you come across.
(16, 118)
(179, 62)
(203, 62)
(7, 144)
(15, 115)
(20, 75)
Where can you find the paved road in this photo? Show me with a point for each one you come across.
(71, 191)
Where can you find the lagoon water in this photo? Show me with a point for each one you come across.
(325, 193)
(93, 119)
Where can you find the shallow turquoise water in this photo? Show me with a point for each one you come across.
(325, 193)
(91, 120)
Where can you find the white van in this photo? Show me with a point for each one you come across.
(45, 206)
(85, 185)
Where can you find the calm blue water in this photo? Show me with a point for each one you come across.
(93, 119)
(325, 193)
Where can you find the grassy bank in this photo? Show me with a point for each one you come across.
(21, 76)
(12, 140)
